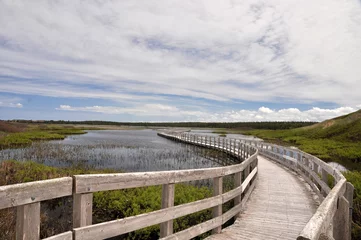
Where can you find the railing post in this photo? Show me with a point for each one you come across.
(166, 228)
(28, 221)
(237, 183)
(324, 175)
(217, 210)
(343, 216)
(82, 209)
(239, 149)
(246, 171)
(244, 151)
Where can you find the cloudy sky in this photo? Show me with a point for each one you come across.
(180, 60)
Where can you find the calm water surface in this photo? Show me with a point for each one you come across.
(127, 150)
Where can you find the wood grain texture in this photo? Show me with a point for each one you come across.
(166, 228)
(28, 221)
(279, 207)
(217, 210)
(32, 192)
(63, 236)
(82, 209)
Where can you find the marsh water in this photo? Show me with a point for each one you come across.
(126, 150)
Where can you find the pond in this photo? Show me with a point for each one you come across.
(126, 150)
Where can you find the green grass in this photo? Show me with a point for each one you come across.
(333, 140)
(27, 137)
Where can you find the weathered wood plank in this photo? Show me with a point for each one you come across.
(129, 224)
(217, 210)
(82, 209)
(323, 217)
(166, 228)
(32, 192)
(63, 236)
(105, 182)
(317, 178)
(232, 194)
(231, 213)
(196, 230)
(249, 178)
(28, 221)
(238, 184)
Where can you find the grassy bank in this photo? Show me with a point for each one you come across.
(107, 205)
(18, 135)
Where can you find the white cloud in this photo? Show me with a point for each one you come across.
(289, 114)
(265, 110)
(276, 50)
(10, 102)
(141, 110)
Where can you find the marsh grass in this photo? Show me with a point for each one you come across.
(15, 135)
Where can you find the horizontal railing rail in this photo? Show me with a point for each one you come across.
(27, 197)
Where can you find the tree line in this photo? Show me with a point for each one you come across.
(238, 125)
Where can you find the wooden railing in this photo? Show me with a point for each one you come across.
(333, 217)
(27, 197)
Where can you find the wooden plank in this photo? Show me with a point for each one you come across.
(28, 221)
(105, 182)
(166, 228)
(231, 213)
(248, 193)
(82, 209)
(196, 230)
(129, 224)
(249, 178)
(316, 177)
(238, 184)
(323, 217)
(217, 210)
(63, 236)
(32, 192)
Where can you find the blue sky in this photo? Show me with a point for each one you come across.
(274, 60)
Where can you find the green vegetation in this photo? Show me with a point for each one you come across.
(15, 135)
(226, 125)
(337, 140)
(107, 206)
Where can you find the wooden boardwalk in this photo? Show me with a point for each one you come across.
(279, 207)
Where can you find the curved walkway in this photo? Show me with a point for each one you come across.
(279, 207)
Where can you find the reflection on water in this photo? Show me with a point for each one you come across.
(128, 150)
